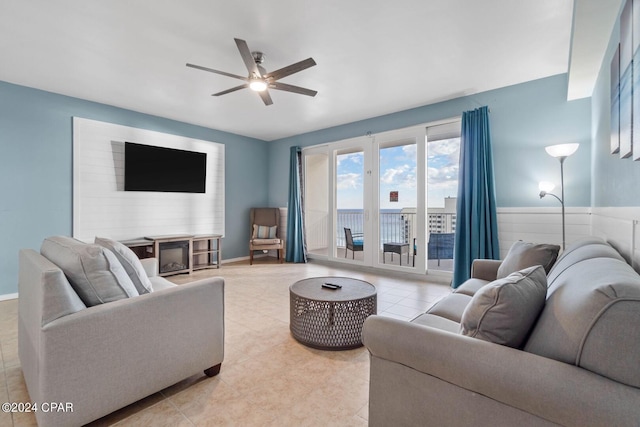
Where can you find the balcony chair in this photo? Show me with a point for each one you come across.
(265, 232)
(354, 246)
(440, 246)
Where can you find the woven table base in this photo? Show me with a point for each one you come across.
(330, 325)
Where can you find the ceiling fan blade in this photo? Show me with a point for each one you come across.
(291, 88)
(293, 68)
(266, 98)
(247, 57)
(211, 70)
(233, 89)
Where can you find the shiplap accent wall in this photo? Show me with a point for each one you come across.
(619, 226)
(541, 225)
(101, 207)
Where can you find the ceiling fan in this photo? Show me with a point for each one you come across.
(259, 79)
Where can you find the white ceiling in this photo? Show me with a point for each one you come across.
(374, 57)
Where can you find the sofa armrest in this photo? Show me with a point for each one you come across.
(125, 350)
(150, 266)
(546, 388)
(485, 269)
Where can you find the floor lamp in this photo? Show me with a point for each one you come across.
(561, 152)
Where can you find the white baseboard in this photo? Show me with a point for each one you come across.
(243, 258)
(7, 297)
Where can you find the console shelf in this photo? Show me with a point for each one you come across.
(180, 253)
(207, 251)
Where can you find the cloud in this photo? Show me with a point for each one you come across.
(349, 180)
(444, 147)
(403, 174)
(444, 153)
(443, 163)
(410, 150)
(443, 176)
(355, 158)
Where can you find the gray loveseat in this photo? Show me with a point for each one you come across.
(103, 357)
(579, 365)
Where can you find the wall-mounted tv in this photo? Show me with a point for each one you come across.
(151, 168)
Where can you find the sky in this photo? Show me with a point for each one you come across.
(398, 173)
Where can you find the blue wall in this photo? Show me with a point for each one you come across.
(615, 180)
(36, 161)
(36, 173)
(524, 119)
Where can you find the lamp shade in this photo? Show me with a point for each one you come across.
(562, 150)
(546, 186)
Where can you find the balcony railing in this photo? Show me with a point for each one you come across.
(394, 227)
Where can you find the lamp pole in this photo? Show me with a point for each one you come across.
(562, 197)
(561, 152)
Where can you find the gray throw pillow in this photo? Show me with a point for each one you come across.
(523, 255)
(130, 262)
(93, 271)
(505, 310)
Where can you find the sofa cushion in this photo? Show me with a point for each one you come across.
(130, 262)
(504, 310)
(523, 255)
(437, 322)
(584, 241)
(93, 271)
(450, 307)
(591, 320)
(266, 241)
(582, 253)
(471, 286)
(160, 283)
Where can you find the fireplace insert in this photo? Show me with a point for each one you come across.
(173, 257)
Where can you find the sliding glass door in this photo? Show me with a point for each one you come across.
(443, 148)
(365, 200)
(316, 200)
(400, 199)
(351, 200)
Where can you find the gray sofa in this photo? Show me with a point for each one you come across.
(579, 364)
(103, 357)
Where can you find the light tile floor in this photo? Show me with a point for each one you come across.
(267, 378)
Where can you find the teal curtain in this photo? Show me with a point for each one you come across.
(476, 224)
(296, 247)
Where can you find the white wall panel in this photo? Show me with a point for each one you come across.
(101, 207)
(540, 225)
(619, 226)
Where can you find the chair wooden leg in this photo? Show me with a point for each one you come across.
(281, 255)
(250, 257)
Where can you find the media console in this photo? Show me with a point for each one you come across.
(180, 253)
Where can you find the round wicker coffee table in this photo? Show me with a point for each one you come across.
(330, 319)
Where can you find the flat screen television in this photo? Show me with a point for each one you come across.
(151, 168)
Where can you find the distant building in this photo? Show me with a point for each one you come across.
(442, 220)
(439, 220)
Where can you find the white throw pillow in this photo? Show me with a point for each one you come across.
(130, 262)
(93, 271)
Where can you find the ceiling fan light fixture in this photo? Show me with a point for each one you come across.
(258, 80)
(258, 85)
